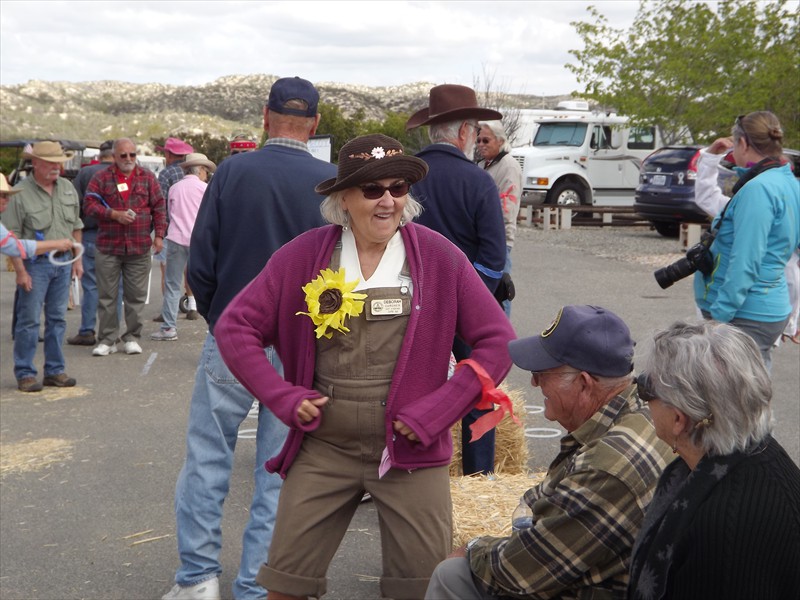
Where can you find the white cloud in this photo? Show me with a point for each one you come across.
(524, 44)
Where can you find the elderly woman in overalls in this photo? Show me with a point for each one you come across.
(362, 313)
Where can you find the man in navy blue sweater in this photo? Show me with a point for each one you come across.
(255, 203)
(462, 203)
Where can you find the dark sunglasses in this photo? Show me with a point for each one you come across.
(645, 387)
(483, 140)
(374, 191)
(128, 155)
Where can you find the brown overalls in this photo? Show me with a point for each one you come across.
(339, 461)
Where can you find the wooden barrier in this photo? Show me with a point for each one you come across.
(549, 216)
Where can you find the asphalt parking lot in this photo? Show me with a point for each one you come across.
(88, 473)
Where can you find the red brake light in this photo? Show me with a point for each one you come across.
(693, 163)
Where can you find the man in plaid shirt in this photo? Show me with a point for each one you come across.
(590, 506)
(127, 202)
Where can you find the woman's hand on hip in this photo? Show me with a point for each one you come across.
(405, 430)
(309, 408)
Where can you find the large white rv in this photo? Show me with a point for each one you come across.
(585, 158)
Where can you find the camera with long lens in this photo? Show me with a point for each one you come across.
(698, 258)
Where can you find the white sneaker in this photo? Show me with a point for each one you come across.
(205, 590)
(132, 348)
(165, 335)
(104, 350)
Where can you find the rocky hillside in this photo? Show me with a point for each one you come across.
(97, 110)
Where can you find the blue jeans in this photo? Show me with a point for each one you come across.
(507, 269)
(177, 256)
(219, 405)
(89, 284)
(51, 291)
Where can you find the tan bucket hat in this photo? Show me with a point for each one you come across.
(197, 159)
(49, 151)
(5, 188)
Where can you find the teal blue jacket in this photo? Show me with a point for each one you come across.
(758, 233)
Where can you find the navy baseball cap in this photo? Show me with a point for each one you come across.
(293, 88)
(588, 338)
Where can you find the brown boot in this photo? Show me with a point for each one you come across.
(60, 380)
(28, 384)
(82, 339)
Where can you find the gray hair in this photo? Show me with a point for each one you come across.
(447, 131)
(714, 374)
(119, 141)
(499, 132)
(194, 170)
(332, 211)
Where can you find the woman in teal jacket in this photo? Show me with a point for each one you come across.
(756, 236)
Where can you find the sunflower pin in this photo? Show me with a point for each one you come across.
(331, 300)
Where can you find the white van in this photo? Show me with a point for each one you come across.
(585, 158)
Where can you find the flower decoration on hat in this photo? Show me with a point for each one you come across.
(377, 153)
(330, 300)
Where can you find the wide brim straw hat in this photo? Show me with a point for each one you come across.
(451, 102)
(198, 159)
(49, 151)
(5, 188)
(372, 157)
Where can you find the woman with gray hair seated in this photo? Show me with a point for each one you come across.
(494, 147)
(725, 518)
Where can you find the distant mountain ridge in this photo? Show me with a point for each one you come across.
(98, 110)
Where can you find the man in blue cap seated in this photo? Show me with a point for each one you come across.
(588, 509)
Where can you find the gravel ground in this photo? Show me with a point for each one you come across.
(637, 244)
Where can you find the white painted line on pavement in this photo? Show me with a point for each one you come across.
(149, 363)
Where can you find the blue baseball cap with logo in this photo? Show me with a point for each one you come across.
(293, 88)
(588, 338)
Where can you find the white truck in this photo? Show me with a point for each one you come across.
(584, 157)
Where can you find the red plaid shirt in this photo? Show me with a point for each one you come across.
(143, 197)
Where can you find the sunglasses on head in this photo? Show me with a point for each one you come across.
(374, 191)
(128, 155)
(484, 140)
(646, 390)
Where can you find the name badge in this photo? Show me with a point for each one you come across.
(387, 306)
(122, 187)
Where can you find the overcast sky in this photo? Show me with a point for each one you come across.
(376, 43)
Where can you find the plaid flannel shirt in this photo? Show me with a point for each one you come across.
(146, 201)
(586, 512)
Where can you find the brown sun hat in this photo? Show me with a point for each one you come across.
(372, 157)
(451, 102)
(49, 151)
(5, 188)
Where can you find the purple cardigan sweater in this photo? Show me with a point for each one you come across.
(448, 298)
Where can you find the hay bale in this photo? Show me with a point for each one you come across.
(511, 448)
(482, 504)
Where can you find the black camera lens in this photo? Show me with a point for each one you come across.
(675, 272)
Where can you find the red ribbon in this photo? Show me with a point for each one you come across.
(490, 395)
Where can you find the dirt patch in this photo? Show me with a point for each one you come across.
(33, 455)
(48, 394)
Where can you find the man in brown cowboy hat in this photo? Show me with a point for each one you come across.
(46, 208)
(462, 203)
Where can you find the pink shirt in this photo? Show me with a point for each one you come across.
(184, 202)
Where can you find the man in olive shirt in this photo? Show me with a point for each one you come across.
(46, 208)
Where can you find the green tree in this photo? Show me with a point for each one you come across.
(685, 64)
